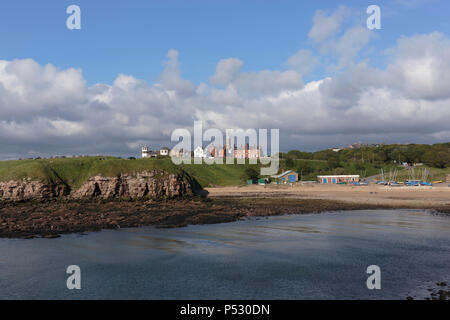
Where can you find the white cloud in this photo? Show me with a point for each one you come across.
(226, 71)
(303, 61)
(340, 36)
(421, 67)
(53, 111)
(350, 44)
(326, 26)
(171, 78)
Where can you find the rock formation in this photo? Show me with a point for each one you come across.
(148, 184)
(31, 190)
(145, 184)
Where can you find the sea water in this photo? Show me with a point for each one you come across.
(311, 256)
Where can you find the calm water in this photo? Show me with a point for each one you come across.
(322, 256)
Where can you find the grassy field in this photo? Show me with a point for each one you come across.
(75, 171)
(435, 174)
(218, 175)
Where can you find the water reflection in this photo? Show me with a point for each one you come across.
(286, 257)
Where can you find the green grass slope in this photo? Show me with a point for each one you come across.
(75, 171)
(218, 174)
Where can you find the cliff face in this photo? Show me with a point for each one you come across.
(29, 190)
(151, 184)
(145, 184)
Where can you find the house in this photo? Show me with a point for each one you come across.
(147, 153)
(199, 152)
(180, 153)
(289, 176)
(164, 151)
(246, 152)
(338, 179)
(210, 151)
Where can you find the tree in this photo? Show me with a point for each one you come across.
(439, 159)
(304, 168)
(333, 162)
(289, 163)
(249, 174)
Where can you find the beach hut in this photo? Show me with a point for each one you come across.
(289, 176)
(338, 179)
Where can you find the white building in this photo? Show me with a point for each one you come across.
(164, 151)
(145, 152)
(199, 152)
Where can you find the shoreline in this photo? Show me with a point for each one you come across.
(51, 219)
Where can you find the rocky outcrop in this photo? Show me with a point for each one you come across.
(145, 184)
(148, 184)
(31, 190)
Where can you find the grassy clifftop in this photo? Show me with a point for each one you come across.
(75, 171)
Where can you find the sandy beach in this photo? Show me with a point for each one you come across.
(415, 197)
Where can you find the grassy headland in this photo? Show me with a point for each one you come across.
(365, 161)
(75, 171)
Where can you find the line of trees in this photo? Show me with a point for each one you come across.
(437, 155)
(365, 161)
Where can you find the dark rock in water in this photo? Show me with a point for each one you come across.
(51, 236)
(49, 218)
(409, 298)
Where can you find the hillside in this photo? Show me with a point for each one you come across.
(76, 171)
(435, 174)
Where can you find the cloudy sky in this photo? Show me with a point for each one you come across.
(137, 70)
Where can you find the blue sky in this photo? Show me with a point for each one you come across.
(137, 70)
(132, 37)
